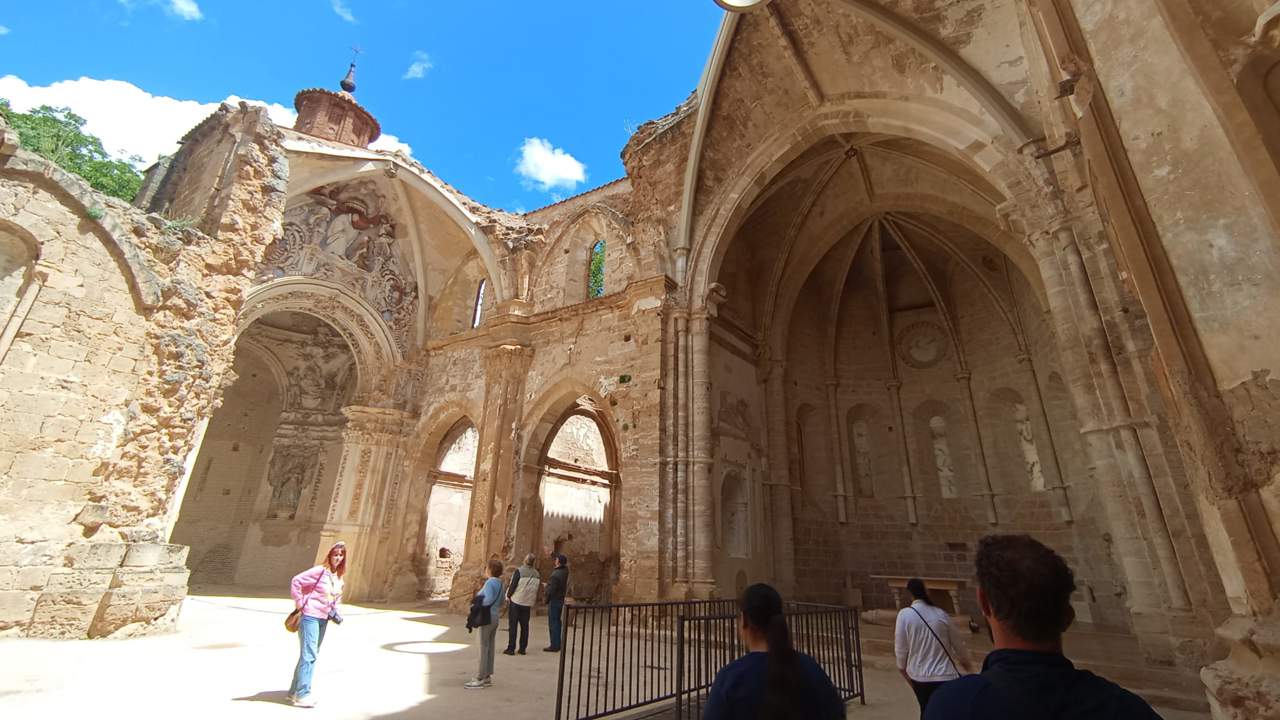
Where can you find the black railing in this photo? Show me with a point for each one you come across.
(616, 658)
(619, 657)
(830, 634)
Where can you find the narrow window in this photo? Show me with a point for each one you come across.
(862, 458)
(595, 272)
(479, 308)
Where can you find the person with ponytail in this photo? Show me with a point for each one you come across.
(927, 653)
(772, 681)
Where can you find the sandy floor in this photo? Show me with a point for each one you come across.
(232, 658)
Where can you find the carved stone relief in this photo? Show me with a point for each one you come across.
(922, 345)
(293, 470)
(346, 234)
(734, 419)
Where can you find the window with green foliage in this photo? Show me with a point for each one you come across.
(58, 135)
(595, 273)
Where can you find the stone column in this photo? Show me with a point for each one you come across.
(368, 479)
(702, 511)
(779, 484)
(1118, 419)
(839, 453)
(683, 531)
(904, 452)
(965, 378)
(505, 370)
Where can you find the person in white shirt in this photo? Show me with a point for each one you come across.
(927, 653)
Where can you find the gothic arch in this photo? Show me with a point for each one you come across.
(944, 127)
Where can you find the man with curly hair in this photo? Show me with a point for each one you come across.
(1024, 591)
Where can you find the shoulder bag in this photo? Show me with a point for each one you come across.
(295, 618)
(935, 637)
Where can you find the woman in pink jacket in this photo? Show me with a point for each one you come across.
(316, 593)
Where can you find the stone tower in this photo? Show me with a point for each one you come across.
(336, 115)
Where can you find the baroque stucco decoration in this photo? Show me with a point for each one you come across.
(346, 234)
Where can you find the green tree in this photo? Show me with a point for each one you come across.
(58, 135)
(595, 278)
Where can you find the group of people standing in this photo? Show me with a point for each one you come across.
(1024, 593)
(522, 596)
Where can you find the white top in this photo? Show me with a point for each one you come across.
(922, 656)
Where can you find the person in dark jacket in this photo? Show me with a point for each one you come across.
(557, 586)
(1024, 591)
(772, 681)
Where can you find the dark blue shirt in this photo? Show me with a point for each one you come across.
(1016, 684)
(739, 689)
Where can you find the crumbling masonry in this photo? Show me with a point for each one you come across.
(898, 274)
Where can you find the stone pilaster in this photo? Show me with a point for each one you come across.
(366, 487)
(779, 478)
(505, 370)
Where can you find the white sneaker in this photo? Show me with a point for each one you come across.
(306, 701)
(478, 684)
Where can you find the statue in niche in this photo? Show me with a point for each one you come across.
(942, 457)
(311, 385)
(287, 478)
(1027, 441)
(862, 458)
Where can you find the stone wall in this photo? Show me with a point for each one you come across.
(115, 351)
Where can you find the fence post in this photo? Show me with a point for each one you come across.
(679, 667)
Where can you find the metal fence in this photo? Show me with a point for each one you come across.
(619, 657)
(829, 634)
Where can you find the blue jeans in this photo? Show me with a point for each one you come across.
(555, 609)
(310, 635)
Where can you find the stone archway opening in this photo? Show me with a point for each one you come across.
(261, 485)
(452, 477)
(576, 495)
(873, 276)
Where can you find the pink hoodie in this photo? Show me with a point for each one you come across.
(319, 589)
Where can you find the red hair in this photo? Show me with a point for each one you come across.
(342, 566)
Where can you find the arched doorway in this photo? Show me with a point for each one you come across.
(261, 485)
(448, 502)
(576, 503)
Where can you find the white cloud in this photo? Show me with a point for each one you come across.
(421, 64)
(344, 12)
(4, 30)
(130, 121)
(185, 9)
(391, 143)
(549, 167)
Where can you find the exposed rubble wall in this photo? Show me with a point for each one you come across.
(120, 342)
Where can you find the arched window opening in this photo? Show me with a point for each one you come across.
(942, 457)
(460, 445)
(479, 306)
(595, 271)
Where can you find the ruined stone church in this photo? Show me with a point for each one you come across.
(897, 275)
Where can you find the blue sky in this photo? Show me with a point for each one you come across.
(574, 76)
